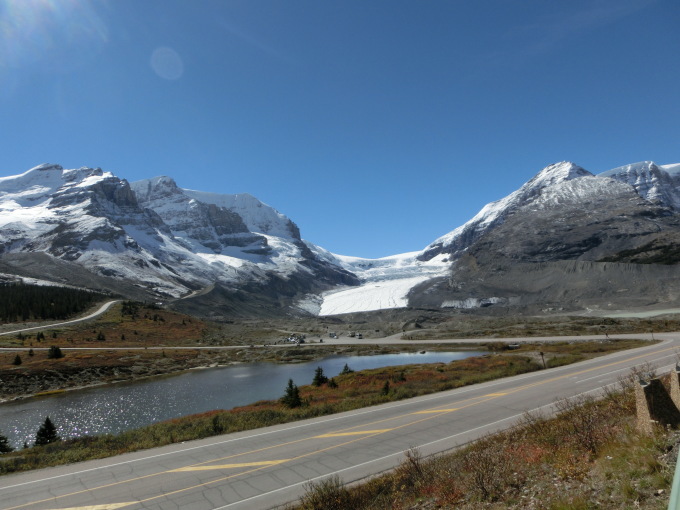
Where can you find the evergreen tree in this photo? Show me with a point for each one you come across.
(291, 398)
(346, 370)
(17, 360)
(5, 447)
(23, 302)
(319, 378)
(47, 433)
(385, 389)
(332, 383)
(54, 353)
(30, 352)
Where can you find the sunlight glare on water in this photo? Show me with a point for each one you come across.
(118, 407)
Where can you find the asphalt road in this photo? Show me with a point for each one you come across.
(268, 467)
(103, 308)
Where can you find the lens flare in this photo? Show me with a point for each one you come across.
(57, 34)
(167, 63)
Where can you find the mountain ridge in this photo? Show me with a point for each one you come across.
(164, 241)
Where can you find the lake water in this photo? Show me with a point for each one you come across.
(118, 407)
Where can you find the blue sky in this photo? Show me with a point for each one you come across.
(377, 126)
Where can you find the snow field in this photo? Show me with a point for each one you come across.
(370, 296)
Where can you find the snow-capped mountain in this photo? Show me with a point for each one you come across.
(495, 213)
(567, 238)
(153, 235)
(565, 182)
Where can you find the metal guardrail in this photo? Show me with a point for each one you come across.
(674, 501)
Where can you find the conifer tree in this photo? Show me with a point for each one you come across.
(17, 360)
(346, 370)
(47, 433)
(5, 447)
(291, 398)
(319, 378)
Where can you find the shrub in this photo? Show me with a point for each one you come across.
(489, 469)
(54, 353)
(329, 494)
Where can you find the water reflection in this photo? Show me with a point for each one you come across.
(118, 407)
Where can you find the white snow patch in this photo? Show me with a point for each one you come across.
(370, 296)
(673, 169)
(386, 281)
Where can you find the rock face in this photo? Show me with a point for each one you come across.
(566, 240)
(202, 227)
(154, 240)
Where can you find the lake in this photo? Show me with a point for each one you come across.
(123, 406)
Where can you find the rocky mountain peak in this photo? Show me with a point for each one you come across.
(258, 216)
(650, 181)
(161, 186)
(46, 167)
(495, 213)
(556, 173)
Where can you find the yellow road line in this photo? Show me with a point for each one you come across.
(141, 501)
(495, 394)
(108, 506)
(353, 433)
(229, 466)
(434, 411)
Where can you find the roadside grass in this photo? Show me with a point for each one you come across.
(354, 390)
(588, 456)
